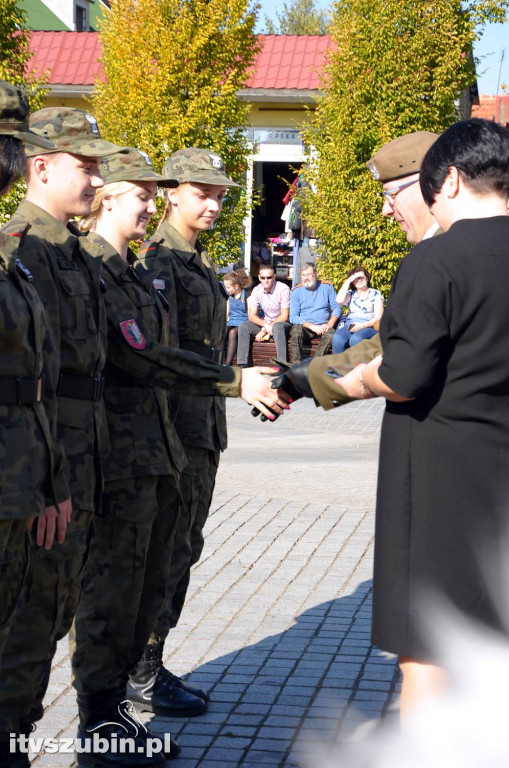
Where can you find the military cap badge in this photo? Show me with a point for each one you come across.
(216, 160)
(374, 170)
(145, 157)
(93, 123)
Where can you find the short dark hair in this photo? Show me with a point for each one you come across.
(12, 161)
(267, 266)
(360, 269)
(478, 148)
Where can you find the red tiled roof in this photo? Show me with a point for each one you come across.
(284, 61)
(70, 57)
(290, 61)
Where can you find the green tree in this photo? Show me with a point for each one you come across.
(301, 17)
(395, 68)
(172, 69)
(14, 67)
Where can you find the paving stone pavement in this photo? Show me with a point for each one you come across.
(278, 615)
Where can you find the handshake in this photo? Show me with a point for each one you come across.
(293, 380)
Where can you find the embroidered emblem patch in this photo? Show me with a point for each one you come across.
(159, 284)
(132, 334)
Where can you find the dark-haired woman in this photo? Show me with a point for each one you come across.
(365, 308)
(443, 485)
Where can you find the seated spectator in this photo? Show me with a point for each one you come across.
(273, 299)
(365, 305)
(313, 313)
(237, 285)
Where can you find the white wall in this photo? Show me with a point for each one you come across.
(64, 9)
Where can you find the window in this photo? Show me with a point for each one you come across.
(81, 17)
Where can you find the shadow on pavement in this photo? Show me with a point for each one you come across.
(290, 693)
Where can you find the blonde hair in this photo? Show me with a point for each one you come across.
(167, 203)
(88, 223)
(167, 208)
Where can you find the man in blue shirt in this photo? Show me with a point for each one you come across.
(313, 313)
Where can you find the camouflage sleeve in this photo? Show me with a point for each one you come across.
(131, 349)
(33, 254)
(34, 251)
(325, 389)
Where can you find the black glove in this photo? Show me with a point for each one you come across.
(294, 381)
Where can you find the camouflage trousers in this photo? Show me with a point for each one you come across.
(43, 616)
(197, 483)
(299, 336)
(14, 558)
(125, 580)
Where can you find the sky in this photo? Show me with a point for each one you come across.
(494, 40)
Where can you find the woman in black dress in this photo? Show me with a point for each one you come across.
(443, 485)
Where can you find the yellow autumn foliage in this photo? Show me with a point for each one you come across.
(171, 72)
(396, 67)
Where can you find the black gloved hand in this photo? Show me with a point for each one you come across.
(294, 381)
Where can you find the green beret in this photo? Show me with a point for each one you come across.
(401, 157)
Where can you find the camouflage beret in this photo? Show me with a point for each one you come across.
(196, 165)
(401, 157)
(70, 130)
(130, 164)
(14, 112)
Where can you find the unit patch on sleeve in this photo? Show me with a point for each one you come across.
(132, 334)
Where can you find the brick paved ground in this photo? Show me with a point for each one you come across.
(277, 621)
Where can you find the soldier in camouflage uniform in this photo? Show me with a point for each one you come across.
(31, 473)
(60, 183)
(175, 256)
(127, 568)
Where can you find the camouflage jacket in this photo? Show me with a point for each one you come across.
(67, 279)
(140, 362)
(29, 471)
(191, 286)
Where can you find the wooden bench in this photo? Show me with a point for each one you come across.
(262, 351)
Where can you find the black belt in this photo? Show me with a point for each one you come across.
(81, 387)
(16, 391)
(211, 353)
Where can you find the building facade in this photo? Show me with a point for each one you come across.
(59, 15)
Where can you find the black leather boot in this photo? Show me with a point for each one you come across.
(157, 650)
(153, 689)
(113, 720)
